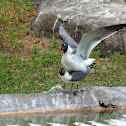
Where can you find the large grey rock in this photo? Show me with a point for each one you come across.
(88, 98)
(79, 17)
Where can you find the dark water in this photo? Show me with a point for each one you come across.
(107, 118)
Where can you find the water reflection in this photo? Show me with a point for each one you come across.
(108, 118)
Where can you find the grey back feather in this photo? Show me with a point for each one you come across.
(79, 75)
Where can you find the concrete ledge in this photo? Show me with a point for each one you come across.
(63, 101)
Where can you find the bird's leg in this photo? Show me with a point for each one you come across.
(92, 65)
(77, 88)
(75, 92)
(71, 86)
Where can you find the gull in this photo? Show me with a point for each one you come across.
(74, 76)
(76, 57)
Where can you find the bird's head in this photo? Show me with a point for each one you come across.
(62, 71)
(63, 47)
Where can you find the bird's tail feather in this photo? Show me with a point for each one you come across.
(92, 65)
(89, 61)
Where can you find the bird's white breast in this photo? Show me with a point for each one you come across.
(75, 63)
(67, 61)
(66, 77)
(72, 63)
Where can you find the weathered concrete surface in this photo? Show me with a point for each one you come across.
(88, 98)
(79, 17)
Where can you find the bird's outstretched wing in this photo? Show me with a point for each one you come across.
(91, 39)
(67, 38)
(79, 75)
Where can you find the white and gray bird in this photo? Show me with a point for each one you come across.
(76, 57)
(73, 76)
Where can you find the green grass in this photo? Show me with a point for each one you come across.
(110, 72)
(28, 76)
(29, 65)
(15, 17)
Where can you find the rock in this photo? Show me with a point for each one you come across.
(80, 17)
(59, 101)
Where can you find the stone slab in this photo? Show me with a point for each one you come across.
(61, 101)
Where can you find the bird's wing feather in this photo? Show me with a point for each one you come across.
(79, 75)
(67, 38)
(91, 39)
